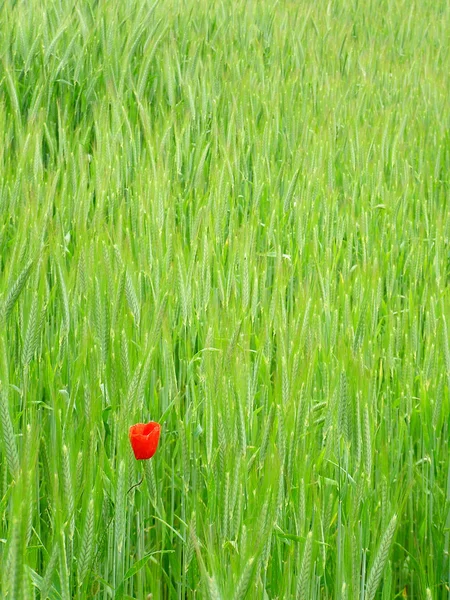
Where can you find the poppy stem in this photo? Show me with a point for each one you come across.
(136, 484)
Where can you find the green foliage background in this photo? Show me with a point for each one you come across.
(231, 217)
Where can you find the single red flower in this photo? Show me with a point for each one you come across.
(144, 438)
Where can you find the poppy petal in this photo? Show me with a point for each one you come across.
(144, 439)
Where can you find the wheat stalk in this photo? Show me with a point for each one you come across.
(376, 571)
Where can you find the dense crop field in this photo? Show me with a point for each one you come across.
(230, 217)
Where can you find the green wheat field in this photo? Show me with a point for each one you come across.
(230, 217)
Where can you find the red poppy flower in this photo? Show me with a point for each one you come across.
(144, 438)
